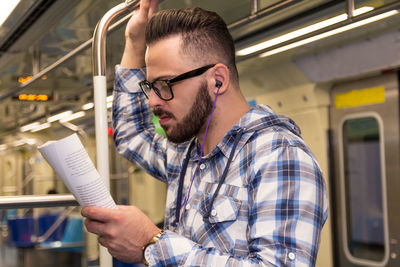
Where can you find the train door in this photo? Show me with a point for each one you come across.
(366, 187)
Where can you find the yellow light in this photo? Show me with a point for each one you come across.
(42, 97)
(24, 79)
(33, 97)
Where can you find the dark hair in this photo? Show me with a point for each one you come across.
(204, 33)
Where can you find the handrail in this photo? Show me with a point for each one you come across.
(100, 106)
(61, 60)
(100, 34)
(369, 14)
(33, 201)
(114, 26)
(258, 14)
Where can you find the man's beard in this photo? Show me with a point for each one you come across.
(193, 121)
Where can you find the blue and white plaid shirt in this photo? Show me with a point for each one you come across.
(268, 212)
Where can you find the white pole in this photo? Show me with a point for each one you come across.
(100, 109)
(100, 94)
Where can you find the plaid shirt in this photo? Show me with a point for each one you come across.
(268, 212)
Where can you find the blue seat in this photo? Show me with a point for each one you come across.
(22, 231)
(72, 239)
(46, 221)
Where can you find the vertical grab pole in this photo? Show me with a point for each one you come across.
(100, 94)
(350, 8)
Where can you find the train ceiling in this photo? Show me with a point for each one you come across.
(40, 32)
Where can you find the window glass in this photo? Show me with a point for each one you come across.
(363, 188)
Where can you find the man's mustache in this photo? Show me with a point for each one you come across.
(160, 112)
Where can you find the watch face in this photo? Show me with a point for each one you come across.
(148, 254)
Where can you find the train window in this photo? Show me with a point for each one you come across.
(363, 187)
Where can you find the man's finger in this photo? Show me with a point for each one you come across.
(95, 227)
(103, 241)
(98, 213)
(144, 8)
(153, 7)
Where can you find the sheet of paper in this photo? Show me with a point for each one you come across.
(71, 162)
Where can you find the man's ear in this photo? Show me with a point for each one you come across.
(219, 79)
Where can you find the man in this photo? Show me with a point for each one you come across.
(243, 188)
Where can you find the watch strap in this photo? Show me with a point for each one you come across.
(152, 241)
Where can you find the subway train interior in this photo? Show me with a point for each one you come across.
(333, 66)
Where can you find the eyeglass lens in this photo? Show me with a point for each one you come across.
(161, 88)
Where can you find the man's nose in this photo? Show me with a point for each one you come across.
(154, 99)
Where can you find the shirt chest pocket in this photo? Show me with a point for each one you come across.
(218, 221)
(222, 209)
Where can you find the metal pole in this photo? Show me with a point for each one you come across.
(100, 94)
(254, 7)
(60, 61)
(370, 14)
(31, 201)
(261, 13)
(350, 8)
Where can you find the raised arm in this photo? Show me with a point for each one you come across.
(134, 133)
(135, 44)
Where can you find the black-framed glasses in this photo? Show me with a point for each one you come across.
(162, 87)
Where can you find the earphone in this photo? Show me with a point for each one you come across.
(218, 84)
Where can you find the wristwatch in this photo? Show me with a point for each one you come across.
(148, 250)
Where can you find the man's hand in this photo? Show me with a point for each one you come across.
(135, 45)
(124, 231)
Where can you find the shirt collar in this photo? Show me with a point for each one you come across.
(249, 122)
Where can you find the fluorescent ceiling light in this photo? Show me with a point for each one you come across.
(19, 142)
(73, 116)
(59, 116)
(41, 127)
(300, 32)
(109, 104)
(7, 8)
(109, 98)
(88, 106)
(70, 126)
(330, 33)
(29, 126)
(30, 141)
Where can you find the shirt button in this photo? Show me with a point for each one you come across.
(187, 206)
(213, 212)
(202, 166)
(291, 256)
